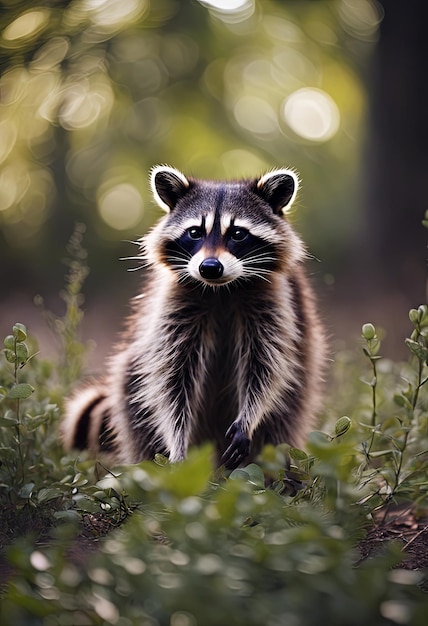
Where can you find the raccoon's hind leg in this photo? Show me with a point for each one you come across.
(86, 424)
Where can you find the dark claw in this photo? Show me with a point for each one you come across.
(239, 448)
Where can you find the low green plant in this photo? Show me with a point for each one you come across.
(396, 450)
(189, 545)
(16, 352)
(39, 485)
(204, 547)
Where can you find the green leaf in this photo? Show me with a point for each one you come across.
(420, 351)
(26, 491)
(21, 352)
(48, 493)
(33, 423)
(423, 313)
(7, 453)
(8, 421)
(239, 474)
(86, 504)
(256, 475)
(68, 516)
(368, 331)
(20, 391)
(379, 453)
(391, 423)
(414, 316)
(342, 426)
(9, 342)
(19, 332)
(191, 477)
(318, 440)
(399, 400)
(298, 455)
(161, 460)
(10, 356)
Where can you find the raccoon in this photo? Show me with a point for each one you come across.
(224, 344)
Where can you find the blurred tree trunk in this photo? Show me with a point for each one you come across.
(396, 161)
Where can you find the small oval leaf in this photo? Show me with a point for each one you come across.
(26, 490)
(21, 352)
(9, 342)
(20, 391)
(420, 351)
(342, 426)
(297, 454)
(10, 356)
(19, 332)
(368, 331)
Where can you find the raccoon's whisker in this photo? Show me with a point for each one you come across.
(185, 252)
(130, 258)
(182, 277)
(256, 266)
(178, 258)
(258, 261)
(144, 265)
(182, 258)
(259, 250)
(263, 257)
(257, 275)
(256, 272)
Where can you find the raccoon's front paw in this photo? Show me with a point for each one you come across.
(239, 448)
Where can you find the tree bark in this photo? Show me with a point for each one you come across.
(396, 162)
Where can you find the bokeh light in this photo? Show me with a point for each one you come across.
(111, 14)
(81, 106)
(231, 11)
(361, 18)
(121, 206)
(312, 114)
(256, 115)
(26, 26)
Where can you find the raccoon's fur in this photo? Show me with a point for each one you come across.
(224, 344)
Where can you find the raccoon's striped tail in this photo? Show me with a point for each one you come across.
(86, 422)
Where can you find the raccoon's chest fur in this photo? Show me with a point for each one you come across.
(195, 352)
(205, 347)
(220, 383)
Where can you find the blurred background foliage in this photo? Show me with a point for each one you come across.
(95, 92)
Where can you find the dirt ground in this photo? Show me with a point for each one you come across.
(403, 525)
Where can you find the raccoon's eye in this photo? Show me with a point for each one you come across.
(238, 234)
(195, 232)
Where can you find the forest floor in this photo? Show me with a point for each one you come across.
(400, 524)
(404, 526)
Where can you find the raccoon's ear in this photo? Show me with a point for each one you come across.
(168, 186)
(278, 188)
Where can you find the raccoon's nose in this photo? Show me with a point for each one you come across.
(211, 268)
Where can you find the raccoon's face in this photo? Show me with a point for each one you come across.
(217, 233)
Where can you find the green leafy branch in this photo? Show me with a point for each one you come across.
(16, 352)
(393, 437)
